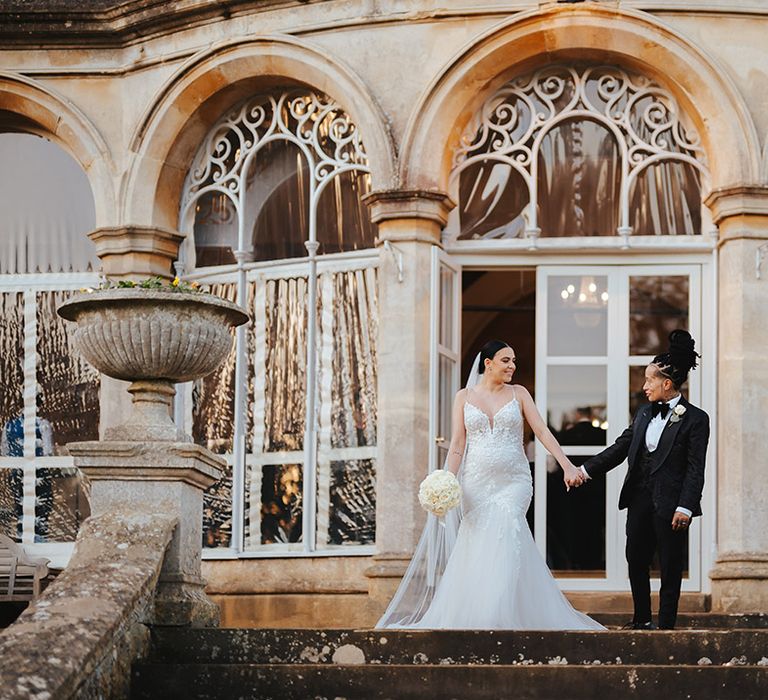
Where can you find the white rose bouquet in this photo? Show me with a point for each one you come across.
(439, 492)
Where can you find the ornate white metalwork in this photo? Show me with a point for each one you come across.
(330, 142)
(642, 116)
(322, 131)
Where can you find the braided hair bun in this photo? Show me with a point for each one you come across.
(679, 359)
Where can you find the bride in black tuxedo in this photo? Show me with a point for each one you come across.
(666, 448)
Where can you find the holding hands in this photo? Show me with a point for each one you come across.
(572, 475)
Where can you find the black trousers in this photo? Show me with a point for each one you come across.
(646, 533)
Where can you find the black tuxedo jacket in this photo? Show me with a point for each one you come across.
(677, 469)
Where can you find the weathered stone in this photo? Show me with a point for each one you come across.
(140, 334)
(136, 251)
(168, 478)
(452, 663)
(79, 637)
(413, 221)
(456, 647)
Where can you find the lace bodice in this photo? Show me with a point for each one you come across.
(496, 440)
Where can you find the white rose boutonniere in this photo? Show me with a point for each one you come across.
(677, 413)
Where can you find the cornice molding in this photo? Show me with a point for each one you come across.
(120, 23)
(112, 23)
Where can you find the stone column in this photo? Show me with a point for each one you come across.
(740, 575)
(409, 225)
(135, 253)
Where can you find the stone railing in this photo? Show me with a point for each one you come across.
(79, 638)
(137, 558)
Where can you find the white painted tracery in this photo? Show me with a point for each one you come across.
(642, 116)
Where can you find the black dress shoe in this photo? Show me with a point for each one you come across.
(642, 626)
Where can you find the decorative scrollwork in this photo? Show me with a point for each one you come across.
(318, 126)
(642, 116)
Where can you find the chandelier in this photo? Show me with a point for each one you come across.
(588, 303)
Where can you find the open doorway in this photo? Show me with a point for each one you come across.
(501, 304)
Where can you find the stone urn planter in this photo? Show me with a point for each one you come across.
(154, 338)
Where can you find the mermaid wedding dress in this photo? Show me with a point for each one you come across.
(490, 575)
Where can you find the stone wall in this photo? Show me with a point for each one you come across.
(80, 637)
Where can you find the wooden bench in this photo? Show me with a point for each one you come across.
(20, 574)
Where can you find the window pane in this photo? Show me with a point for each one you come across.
(576, 404)
(11, 495)
(550, 125)
(67, 386)
(284, 373)
(343, 221)
(666, 200)
(217, 511)
(281, 503)
(492, 198)
(12, 375)
(577, 315)
(277, 209)
(575, 524)
(579, 179)
(445, 394)
(215, 230)
(47, 207)
(61, 504)
(657, 306)
(353, 502)
(354, 364)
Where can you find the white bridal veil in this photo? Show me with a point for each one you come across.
(416, 590)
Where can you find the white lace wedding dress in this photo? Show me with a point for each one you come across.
(494, 576)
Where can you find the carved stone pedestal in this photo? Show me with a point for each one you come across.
(167, 477)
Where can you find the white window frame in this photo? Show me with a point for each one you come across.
(30, 284)
(259, 273)
(452, 352)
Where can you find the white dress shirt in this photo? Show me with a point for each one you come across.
(653, 435)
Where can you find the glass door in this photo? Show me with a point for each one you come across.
(445, 346)
(597, 329)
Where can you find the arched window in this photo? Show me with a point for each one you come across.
(49, 394)
(578, 151)
(278, 170)
(279, 179)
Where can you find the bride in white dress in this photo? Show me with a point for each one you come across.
(479, 568)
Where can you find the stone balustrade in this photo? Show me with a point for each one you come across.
(79, 638)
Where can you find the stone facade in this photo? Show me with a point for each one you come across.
(130, 92)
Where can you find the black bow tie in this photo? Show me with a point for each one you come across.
(660, 407)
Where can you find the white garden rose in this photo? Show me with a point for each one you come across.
(439, 492)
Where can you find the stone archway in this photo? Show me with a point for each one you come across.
(33, 108)
(174, 126)
(629, 38)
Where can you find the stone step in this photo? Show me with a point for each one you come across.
(557, 682)
(457, 647)
(692, 620)
(621, 601)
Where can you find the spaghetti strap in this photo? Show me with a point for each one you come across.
(514, 393)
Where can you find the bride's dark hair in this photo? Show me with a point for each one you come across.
(679, 359)
(488, 352)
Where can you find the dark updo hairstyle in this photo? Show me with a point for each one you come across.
(488, 352)
(679, 359)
